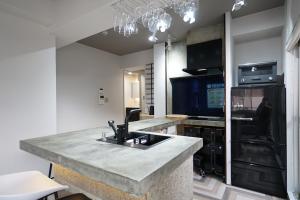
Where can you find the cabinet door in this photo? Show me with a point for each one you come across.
(191, 131)
(258, 178)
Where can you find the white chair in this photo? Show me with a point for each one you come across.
(30, 185)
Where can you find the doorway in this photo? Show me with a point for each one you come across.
(138, 91)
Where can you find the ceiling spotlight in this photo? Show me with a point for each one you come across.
(129, 73)
(189, 16)
(238, 5)
(153, 37)
(164, 22)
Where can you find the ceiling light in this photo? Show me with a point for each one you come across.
(164, 22)
(238, 5)
(151, 14)
(189, 16)
(187, 10)
(152, 38)
(129, 73)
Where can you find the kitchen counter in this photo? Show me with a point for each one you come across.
(172, 120)
(211, 123)
(128, 173)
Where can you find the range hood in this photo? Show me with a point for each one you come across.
(205, 57)
(195, 71)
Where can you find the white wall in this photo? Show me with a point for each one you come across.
(263, 50)
(81, 71)
(295, 11)
(291, 70)
(97, 20)
(261, 24)
(204, 34)
(159, 80)
(228, 84)
(28, 91)
(137, 59)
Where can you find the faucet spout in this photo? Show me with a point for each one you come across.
(131, 112)
(111, 123)
(121, 131)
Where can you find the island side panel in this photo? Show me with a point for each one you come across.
(177, 186)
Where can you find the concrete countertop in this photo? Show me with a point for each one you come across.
(155, 123)
(165, 122)
(132, 170)
(211, 123)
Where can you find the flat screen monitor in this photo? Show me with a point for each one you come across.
(198, 95)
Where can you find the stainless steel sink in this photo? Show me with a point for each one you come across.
(138, 140)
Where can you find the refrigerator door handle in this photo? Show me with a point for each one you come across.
(242, 118)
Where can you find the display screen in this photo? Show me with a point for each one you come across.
(198, 95)
(215, 95)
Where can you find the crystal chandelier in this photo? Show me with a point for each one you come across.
(151, 14)
(238, 4)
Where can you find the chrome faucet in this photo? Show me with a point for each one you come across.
(121, 131)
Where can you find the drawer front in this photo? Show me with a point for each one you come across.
(258, 178)
(259, 153)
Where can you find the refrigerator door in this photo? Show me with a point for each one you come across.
(258, 114)
(257, 153)
(258, 139)
(262, 179)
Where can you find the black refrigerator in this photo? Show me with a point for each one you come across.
(258, 138)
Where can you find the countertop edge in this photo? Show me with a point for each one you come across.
(132, 186)
(149, 181)
(135, 187)
(85, 169)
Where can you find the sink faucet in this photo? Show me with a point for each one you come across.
(121, 132)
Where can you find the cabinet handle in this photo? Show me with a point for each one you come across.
(242, 119)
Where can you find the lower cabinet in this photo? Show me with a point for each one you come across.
(211, 158)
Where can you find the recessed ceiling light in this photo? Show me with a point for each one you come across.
(129, 73)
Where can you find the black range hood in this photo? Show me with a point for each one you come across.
(203, 71)
(205, 58)
(195, 71)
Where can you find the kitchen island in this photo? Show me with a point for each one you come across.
(105, 171)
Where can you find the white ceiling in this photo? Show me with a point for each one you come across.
(50, 13)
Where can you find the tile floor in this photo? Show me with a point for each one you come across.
(210, 188)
